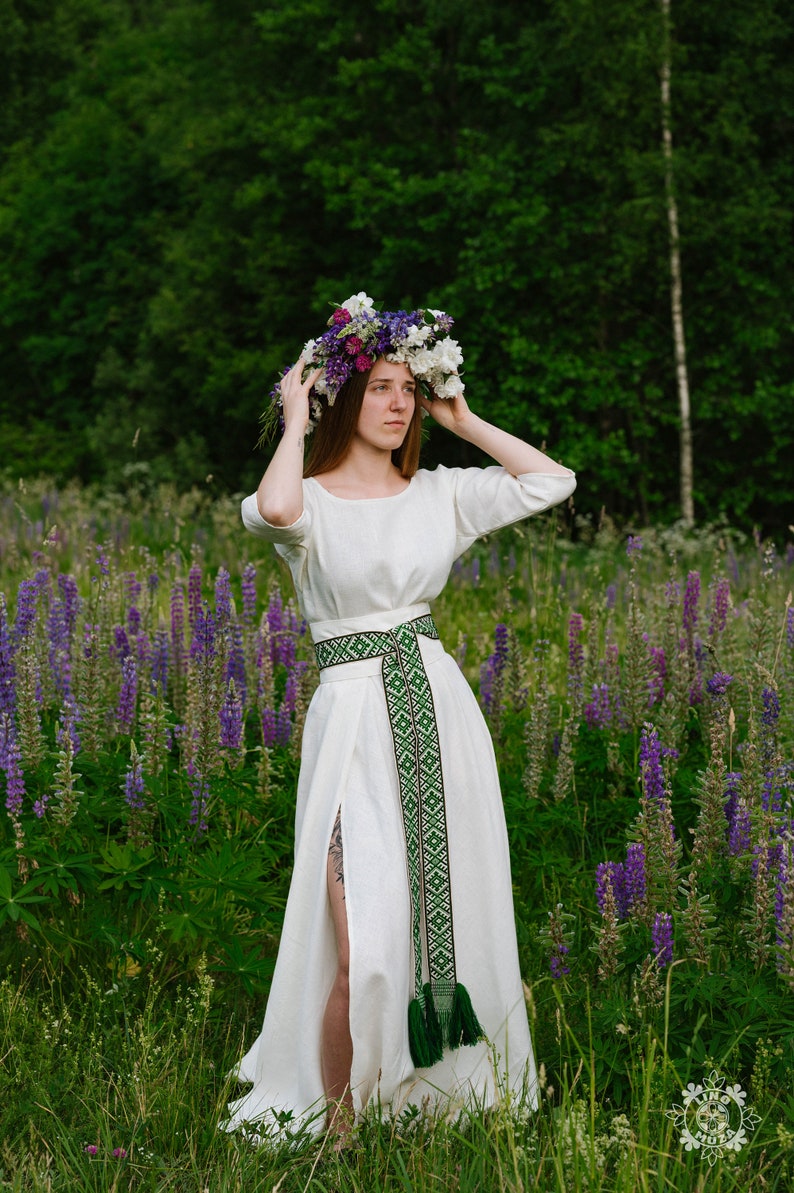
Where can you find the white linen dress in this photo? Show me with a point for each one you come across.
(372, 564)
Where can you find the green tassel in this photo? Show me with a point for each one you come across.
(417, 1035)
(464, 1026)
(435, 1036)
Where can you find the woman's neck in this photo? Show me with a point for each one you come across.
(364, 473)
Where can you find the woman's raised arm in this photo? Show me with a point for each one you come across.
(279, 497)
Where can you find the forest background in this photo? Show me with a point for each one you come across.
(186, 184)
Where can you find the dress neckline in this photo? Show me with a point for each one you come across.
(359, 500)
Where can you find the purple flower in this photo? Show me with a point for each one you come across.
(200, 791)
(575, 658)
(691, 598)
(662, 938)
(193, 594)
(771, 711)
(717, 686)
(27, 598)
(249, 593)
(598, 712)
(134, 784)
(611, 596)
(90, 1149)
(635, 882)
(719, 608)
(203, 645)
(128, 695)
(651, 773)
(633, 545)
(159, 661)
(119, 1152)
(611, 874)
(10, 762)
(67, 586)
(7, 672)
(231, 718)
(235, 666)
(223, 597)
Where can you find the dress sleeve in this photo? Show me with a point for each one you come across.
(296, 535)
(488, 498)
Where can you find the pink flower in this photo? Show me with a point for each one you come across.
(119, 1152)
(363, 362)
(91, 1149)
(341, 316)
(354, 345)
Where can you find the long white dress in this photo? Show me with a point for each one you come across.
(372, 564)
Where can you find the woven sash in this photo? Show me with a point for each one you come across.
(440, 1013)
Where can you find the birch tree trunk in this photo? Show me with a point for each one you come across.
(676, 304)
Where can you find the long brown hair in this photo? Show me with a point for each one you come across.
(331, 438)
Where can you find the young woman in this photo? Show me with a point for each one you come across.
(397, 978)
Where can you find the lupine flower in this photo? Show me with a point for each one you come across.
(611, 596)
(691, 598)
(10, 762)
(235, 665)
(720, 606)
(598, 711)
(223, 597)
(717, 686)
(200, 791)
(608, 943)
(559, 943)
(633, 545)
(651, 773)
(133, 783)
(121, 643)
(7, 672)
(231, 718)
(610, 882)
(575, 659)
(193, 594)
(249, 593)
(27, 598)
(635, 881)
(492, 672)
(159, 661)
(203, 645)
(128, 696)
(662, 938)
(67, 586)
(790, 627)
(133, 619)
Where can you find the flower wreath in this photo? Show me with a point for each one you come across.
(357, 335)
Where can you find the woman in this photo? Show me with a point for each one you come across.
(397, 978)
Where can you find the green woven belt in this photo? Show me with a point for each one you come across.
(440, 1013)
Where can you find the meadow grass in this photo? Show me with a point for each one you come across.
(137, 941)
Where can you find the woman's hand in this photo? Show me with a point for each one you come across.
(450, 413)
(295, 395)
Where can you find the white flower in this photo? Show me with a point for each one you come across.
(308, 349)
(358, 303)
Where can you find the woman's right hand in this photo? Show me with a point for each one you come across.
(295, 394)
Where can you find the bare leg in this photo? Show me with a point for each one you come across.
(337, 1045)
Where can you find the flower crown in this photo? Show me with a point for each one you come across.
(357, 335)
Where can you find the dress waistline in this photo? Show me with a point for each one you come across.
(385, 620)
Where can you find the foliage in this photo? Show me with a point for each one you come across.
(177, 210)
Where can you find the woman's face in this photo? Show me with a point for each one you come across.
(388, 406)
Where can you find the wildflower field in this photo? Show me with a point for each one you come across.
(154, 676)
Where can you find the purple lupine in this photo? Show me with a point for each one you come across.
(153, 582)
(719, 607)
(691, 599)
(790, 627)
(7, 672)
(717, 686)
(202, 646)
(635, 880)
(733, 781)
(662, 938)
(575, 658)
(159, 661)
(284, 725)
(102, 562)
(200, 791)
(235, 666)
(223, 597)
(128, 695)
(27, 598)
(248, 586)
(133, 620)
(67, 586)
(658, 675)
(611, 596)
(770, 715)
(611, 874)
(269, 727)
(598, 711)
(559, 946)
(651, 773)
(231, 718)
(67, 724)
(193, 594)
(633, 545)
(121, 643)
(492, 670)
(132, 587)
(59, 647)
(11, 763)
(133, 783)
